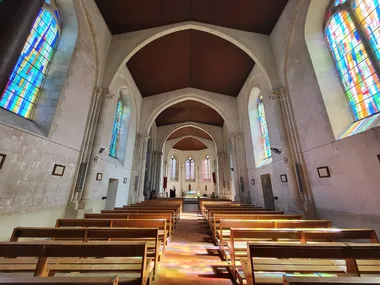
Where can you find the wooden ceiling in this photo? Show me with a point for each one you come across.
(189, 131)
(189, 111)
(190, 144)
(258, 16)
(190, 58)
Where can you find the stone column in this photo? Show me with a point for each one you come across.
(16, 19)
(235, 172)
(158, 172)
(106, 98)
(133, 193)
(142, 168)
(81, 196)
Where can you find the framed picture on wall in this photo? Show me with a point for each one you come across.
(324, 172)
(58, 170)
(99, 176)
(253, 182)
(284, 178)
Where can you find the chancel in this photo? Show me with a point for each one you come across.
(189, 142)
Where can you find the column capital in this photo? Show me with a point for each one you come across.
(221, 153)
(104, 93)
(237, 136)
(278, 93)
(146, 138)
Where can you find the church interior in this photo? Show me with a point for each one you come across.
(189, 142)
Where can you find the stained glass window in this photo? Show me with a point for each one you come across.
(338, 2)
(357, 73)
(206, 169)
(263, 128)
(174, 168)
(367, 13)
(27, 79)
(190, 169)
(115, 142)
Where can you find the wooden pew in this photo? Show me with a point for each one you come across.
(174, 214)
(237, 245)
(293, 280)
(8, 280)
(212, 214)
(268, 262)
(117, 223)
(135, 216)
(149, 235)
(241, 221)
(129, 259)
(226, 225)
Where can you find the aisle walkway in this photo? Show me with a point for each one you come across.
(191, 257)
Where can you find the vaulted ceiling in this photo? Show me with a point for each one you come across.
(258, 16)
(190, 58)
(189, 111)
(190, 144)
(189, 131)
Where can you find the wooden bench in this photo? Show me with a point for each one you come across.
(8, 280)
(128, 259)
(268, 262)
(293, 280)
(135, 216)
(225, 226)
(148, 235)
(237, 245)
(247, 222)
(85, 223)
(175, 215)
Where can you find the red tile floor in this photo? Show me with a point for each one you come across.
(191, 257)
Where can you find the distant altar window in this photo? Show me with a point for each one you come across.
(206, 169)
(173, 168)
(190, 169)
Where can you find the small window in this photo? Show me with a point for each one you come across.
(190, 169)
(116, 132)
(206, 169)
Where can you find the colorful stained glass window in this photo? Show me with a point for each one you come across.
(206, 169)
(115, 142)
(26, 81)
(190, 169)
(367, 13)
(355, 69)
(174, 168)
(263, 128)
(338, 2)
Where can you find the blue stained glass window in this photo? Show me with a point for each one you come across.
(26, 81)
(263, 128)
(190, 169)
(115, 142)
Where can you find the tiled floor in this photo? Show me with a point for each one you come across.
(191, 257)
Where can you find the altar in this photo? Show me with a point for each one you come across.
(190, 194)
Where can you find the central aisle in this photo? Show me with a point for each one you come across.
(191, 257)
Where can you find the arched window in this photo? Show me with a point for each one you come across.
(206, 169)
(190, 169)
(174, 168)
(352, 34)
(26, 81)
(116, 131)
(263, 128)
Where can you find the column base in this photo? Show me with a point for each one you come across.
(76, 210)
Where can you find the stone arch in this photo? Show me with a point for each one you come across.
(188, 96)
(187, 124)
(257, 46)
